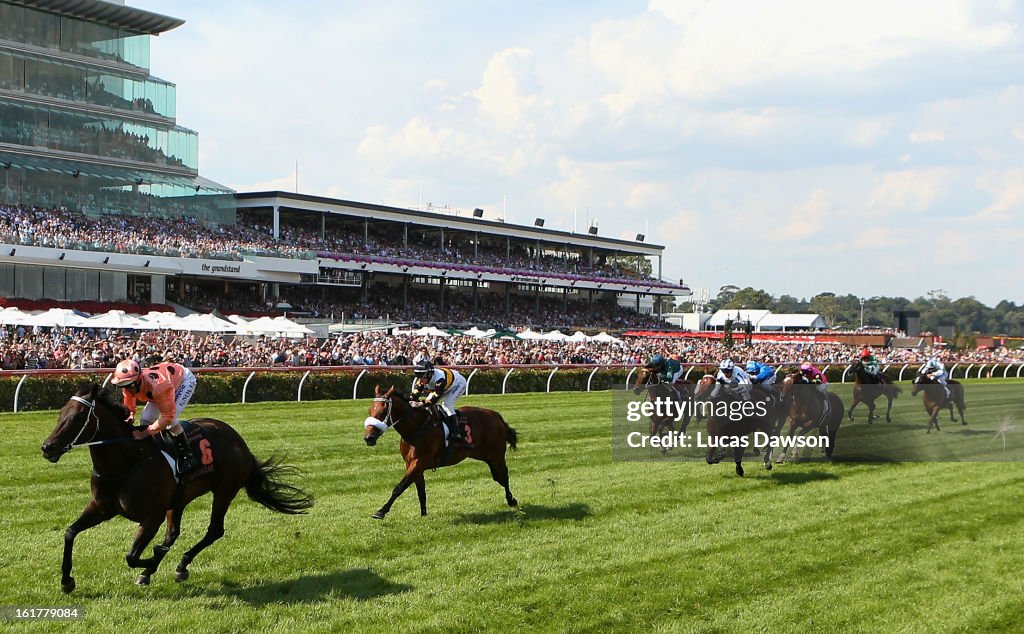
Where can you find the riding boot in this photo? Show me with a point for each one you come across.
(454, 429)
(186, 461)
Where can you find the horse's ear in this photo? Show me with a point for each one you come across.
(94, 390)
(391, 390)
(376, 390)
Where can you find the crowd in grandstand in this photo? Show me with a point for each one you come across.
(186, 237)
(41, 348)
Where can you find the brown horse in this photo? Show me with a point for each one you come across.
(681, 392)
(423, 443)
(130, 478)
(726, 431)
(867, 388)
(807, 411)
(935, 399)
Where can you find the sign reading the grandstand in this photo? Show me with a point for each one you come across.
(221, 268)
(527, 280)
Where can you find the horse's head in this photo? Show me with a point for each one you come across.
(76, 421)
(920, 381)
(644, 379)
(704, 386)
(380, 416)
(792, 378)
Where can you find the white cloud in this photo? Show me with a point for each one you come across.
(506, 93)
(910, 191)
(806, 219)
(926, 136)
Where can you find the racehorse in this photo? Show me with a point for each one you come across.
(423, 442)
(935, 399)
(725, 431)
(681, 392)
(808, 410)
(867, 388)
(130, 478)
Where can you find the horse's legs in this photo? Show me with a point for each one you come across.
(871, 411)
(855, 403)
(147, 530)
(159, 552)
(215, 530)
(888, 409)
(93, 515)
(399, 489)
(952, 418)
(421, 493)
(737, 454)
(499, 471)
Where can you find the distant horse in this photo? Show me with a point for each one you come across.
(680, 392)
(935, 399)
(423, 443)
(130, 478)
(810, 409)
(727, 431)
(867, 388)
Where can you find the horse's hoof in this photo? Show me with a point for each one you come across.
(378, 515)
(423, 513)
(143, 580)
(67, 585)
(181, 575)
(513, 502)
(767, 466)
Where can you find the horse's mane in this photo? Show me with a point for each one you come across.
(104, 398)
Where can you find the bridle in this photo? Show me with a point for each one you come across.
(92, 414)
(388, 421)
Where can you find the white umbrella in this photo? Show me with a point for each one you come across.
(206, 323)
(578, 337)
(13, 316)
(555, 335)
(63, 317)
(119, 320)
(237, 319)
(287, 325)
(479, 334)
(164, 320)
(603, 337)
(431, 331)
(529, 335)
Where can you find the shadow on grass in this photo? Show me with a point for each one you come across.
(574, 511)
(360, 584)
(800, 477)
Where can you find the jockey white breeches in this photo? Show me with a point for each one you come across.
(457, 389)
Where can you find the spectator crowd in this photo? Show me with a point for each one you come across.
(40, 348)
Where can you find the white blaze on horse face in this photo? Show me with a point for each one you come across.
(373, 422)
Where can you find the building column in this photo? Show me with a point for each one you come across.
(476, 296)
(476, 244)
(443, 284)
(405, 293)
(659, 266)
(405, 237)
(323, 225)
(366, 231)
(277, 222)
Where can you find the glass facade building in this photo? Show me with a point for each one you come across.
(83, 124)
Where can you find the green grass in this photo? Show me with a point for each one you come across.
(600, 546)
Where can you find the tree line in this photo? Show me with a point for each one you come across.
(965, 315)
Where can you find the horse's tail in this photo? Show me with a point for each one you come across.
(511, 436)
(896, 390)
(266, 488)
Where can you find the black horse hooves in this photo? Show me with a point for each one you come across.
(143, 580)
(181, 575)
(513, 502)
(67, 585)
(379, 515)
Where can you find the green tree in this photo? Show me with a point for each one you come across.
(750, 298)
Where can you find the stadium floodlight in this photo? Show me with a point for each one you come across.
(76, 173)
(640, 237)
(592, 230)
(12, 252)
(539, 222)
(146, 265)
(106, 259)
(7, 165)
(478, 213)
(62, 256)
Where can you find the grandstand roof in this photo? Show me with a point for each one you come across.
(109, 13)
(805, 321)
(306, 202)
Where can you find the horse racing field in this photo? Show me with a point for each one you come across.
(599, 545)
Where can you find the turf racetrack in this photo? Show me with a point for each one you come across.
(600, 546)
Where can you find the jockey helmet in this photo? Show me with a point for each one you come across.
(656, 361)
(806, 366)
(751, 366)
(423, 368)
(726, 365)
(865, 353)
(126, 373)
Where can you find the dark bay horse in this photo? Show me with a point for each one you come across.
(130, 478)
(807, 411)
(681, 392)
(935, 399)
(423, 445)
(867, 388)
(731, 432)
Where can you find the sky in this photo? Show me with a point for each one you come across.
(800, 146)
